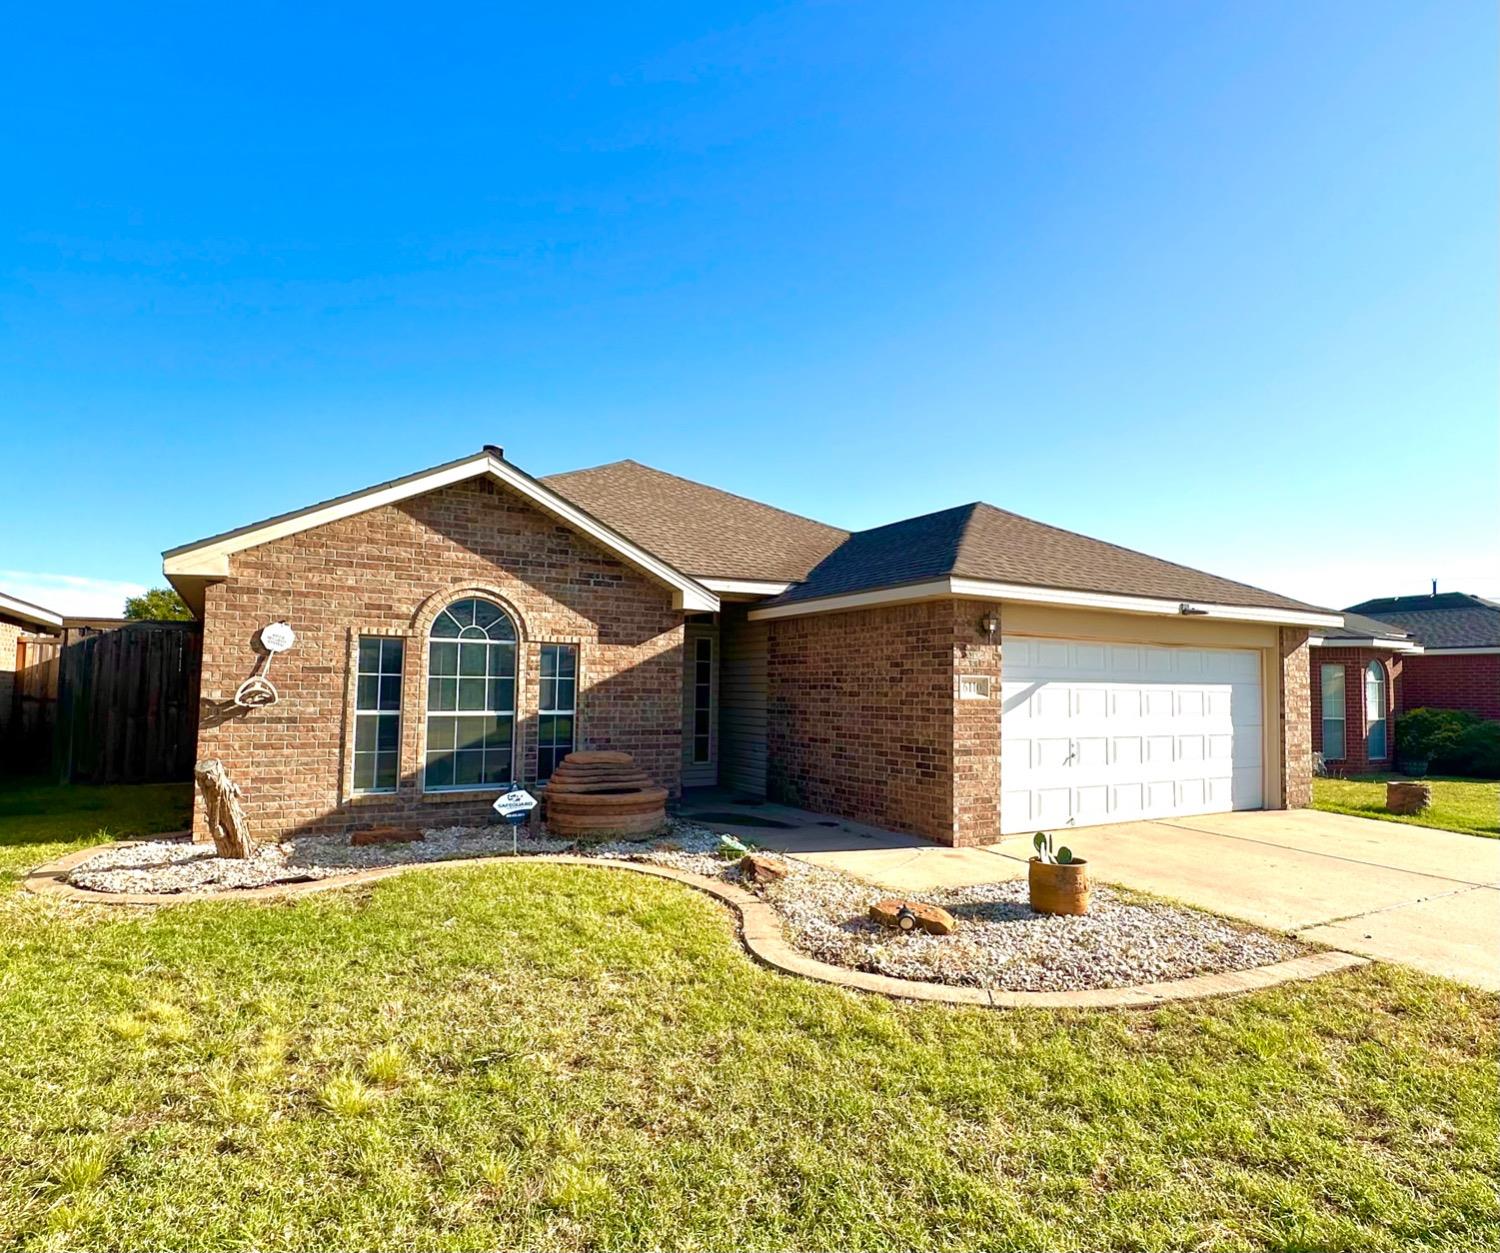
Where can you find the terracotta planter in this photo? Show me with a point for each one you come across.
(1058, 889)
(603, 795)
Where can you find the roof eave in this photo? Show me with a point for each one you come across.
(193, 565)
(980, 589)
(23, 609)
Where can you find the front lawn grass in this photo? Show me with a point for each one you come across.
(1471, 806)
(562, 1057)
(40, 821)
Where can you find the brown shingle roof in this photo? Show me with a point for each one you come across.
(701, 530)
(1441, 620)
(979, 541)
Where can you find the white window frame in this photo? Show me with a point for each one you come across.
(703, 690)
(1375, 678)
(513, 713)
(555, 709)
(1334, 669)
(382, 675)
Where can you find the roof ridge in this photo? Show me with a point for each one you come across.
(749, 500)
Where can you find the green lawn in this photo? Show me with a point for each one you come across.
(41, 821)
(1468, 805)
(554, 1057)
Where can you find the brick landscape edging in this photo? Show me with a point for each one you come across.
(760, 932)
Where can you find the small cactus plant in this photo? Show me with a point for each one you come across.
(1042, 842)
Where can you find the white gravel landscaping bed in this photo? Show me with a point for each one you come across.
(999, 943)
(169, 867)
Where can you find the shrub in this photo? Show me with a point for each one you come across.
(1453, 741)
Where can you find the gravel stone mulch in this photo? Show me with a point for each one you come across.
(999, 943)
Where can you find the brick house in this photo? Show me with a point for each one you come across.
(20, 622)
(1440, 651)
(957, 675)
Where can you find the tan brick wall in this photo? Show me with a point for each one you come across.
(10, 632)
(390, 571)
(865, 720)
(976, 727)
(1296, 720)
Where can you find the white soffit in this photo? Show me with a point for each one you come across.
(209, 558)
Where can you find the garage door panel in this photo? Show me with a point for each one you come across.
(1114, 732)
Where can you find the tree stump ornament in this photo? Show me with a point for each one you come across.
(221, 803)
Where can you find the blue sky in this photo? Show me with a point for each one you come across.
(1216, 281)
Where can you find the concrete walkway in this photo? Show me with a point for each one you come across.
(1429, 899)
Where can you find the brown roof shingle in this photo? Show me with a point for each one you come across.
(704, 532)
(979, 541)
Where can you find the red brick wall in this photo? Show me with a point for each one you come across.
(1471, 682)
(391, 571)
(1356, 758)
(1296, 734)
(865, 721)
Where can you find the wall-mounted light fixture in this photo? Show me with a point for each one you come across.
(989, 624)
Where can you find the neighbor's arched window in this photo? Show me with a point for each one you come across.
(1375, 710)
(471, 697)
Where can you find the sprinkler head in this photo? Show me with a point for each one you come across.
(906, 919)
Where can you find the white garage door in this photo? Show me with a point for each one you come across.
(1093, 732)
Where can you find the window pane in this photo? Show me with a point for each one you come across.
(468, 767)
(547, 699)
(369, 654)
(390, 691)
(502, 661)
(443, 659)
(364, 771)
(471, 658)
(567, 661)
(388, 734)
(485, 613)
(1377, 739)
(385, 771)
(471, 694)
(440, 732)
(497, 766)
(562, 733)
(1333, 739)
(471, 732)
(442, 694)
(439, 770)
(446, 626)
(1333, 691)
(390, 656)
(367, 692)
(567, 694)
(549, 661)
(502, 695)
(364, 734)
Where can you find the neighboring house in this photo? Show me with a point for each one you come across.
(20, 622)
(470, 624)
(1355, 685)
(1440, 651)
(1459, 666)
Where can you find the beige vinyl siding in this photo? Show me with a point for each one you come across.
(699, 774)
(742, 702)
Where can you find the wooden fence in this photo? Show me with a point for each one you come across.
(127, 703)
(106, 703)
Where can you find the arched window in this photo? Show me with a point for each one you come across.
(471, 697)
(1375, 710)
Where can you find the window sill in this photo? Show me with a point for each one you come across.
(456, 795)
(371, 798)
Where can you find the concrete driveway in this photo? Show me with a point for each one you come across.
(1429, 899)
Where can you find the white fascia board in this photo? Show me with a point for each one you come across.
(979, 589)
(1461, 652)
(745, 587)
(28, 612)
(1394, 646)
(210, 558)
